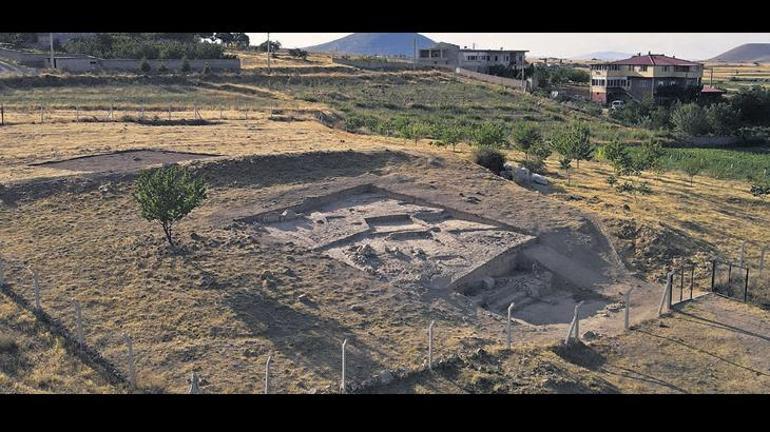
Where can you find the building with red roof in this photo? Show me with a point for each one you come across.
(652, 75)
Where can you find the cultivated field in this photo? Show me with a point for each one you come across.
(733, 77)
(235, 292)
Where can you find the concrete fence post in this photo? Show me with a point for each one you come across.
(573, 332)
(430, 345)
(627, 301)
(577, 320)
(78, 323)
(666, 299)
(194, 384)
(77, 114)
(267, 374)
(508, 324)
(342, 381)
(131, 366)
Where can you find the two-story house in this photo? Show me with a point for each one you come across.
(477, 60)
(652, 75)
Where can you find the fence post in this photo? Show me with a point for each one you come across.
(627, 300)
(730, 277)
(666, 293)
(342, 381)
(2, 114)
(41, 113)
(194, 384)
(169, 112)
(78, 323)
(746, 287)
(574, 328)
(681, 283)
(510, 308)
(692, 279)
(267, 374)
(430, 345)
(131, 367)
(77, 114)
(713, 274)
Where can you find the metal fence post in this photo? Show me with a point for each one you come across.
(510, 308)
(267, 374)
(342, 381)
(430, 345)
(746, 287)
(194, 384)
(692, 279)
(681, 283)
(713, 274)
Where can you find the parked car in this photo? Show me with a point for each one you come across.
(617, 104)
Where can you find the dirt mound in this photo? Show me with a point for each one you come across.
(653, 249)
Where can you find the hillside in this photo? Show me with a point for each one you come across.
(387, 44)
(746, 53)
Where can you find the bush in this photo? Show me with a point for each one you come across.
(163, 68)
(534, 165)
(690, 119)
(490, 158)
(144, 66)
(753, 104)
(206, 69)
(167, 195)
(186, 68)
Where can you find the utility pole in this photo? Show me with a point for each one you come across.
(414, 43)
(711, 80)
(50, 37)
(268, 53)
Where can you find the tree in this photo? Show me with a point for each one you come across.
(526, 135)
(299, 53)
(274, 46)
(574, 142)
(451, 135)
(565, 164)
(491, 134)
(616, 152)
(723, 118)
(693, 168)
(690, 119)
(241, 40)
(168, 194)
(226, 39)
(648, 157)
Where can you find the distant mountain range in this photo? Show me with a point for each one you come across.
(603, 55)
(746, 53)
(383, 44)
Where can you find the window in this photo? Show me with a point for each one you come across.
(665, 68)
(681, 68)
(424, 53)
(643, 68)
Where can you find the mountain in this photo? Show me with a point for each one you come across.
(603, 56)
(385, 44)
(746, 53)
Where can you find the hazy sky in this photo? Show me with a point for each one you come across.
(695, 46)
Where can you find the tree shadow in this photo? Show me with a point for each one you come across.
(716, 324)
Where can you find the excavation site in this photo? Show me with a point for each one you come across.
(432, 249)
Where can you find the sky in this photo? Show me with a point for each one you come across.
(695, 46)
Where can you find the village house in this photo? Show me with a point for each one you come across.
(653, 75)
(476, 60)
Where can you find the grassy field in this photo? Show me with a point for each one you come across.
(733, 77)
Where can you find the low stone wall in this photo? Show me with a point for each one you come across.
(133, 65)
(376, 65)
(506, 82)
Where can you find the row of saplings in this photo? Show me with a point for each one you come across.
(573, 144)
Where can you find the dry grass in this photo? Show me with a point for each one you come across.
(733, 77)
(32, 360)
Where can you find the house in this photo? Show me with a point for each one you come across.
(652, 75)
(476, 60)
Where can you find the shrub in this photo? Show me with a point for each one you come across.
(450, 135)
(490, 158)
(534, 165)
(168, 194)
(617, 153)
(206, 69)
(186, 68)
(574, 142)
(163, 68)
(690, 119)
(144, 66)
(753, 104)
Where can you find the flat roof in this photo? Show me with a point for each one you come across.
(653, 60)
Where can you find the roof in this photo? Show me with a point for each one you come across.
(654, 60)
(491, 50)
(710, 89)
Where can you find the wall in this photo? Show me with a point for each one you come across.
(131, 65)
(23, 58)
(506, 82)
(376, 65)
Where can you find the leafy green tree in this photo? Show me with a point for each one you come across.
(168, 194)
(186, 68)
(649, 156)
(693, 167)
(617, 153)
(526, 135)
(723, 118)
(491, 134)
(574, 142)
(451, 135)
(299, 53)
(690, 119)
